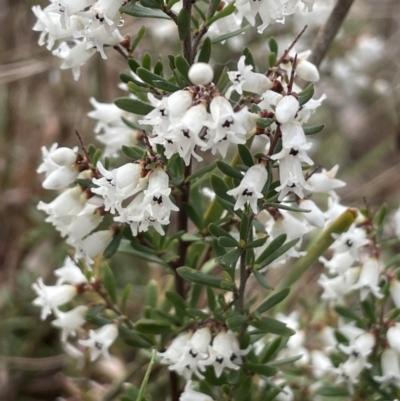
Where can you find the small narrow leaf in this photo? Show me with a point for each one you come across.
(198, 277)
(205, 52)
(228, 10)
(257, 242)
(182, 66)
(133, 105)
(313, 129)
(183, 23)
(245, 155)
(272, 247)
(140, 35)
(151, 326)
(264, 370)
(230, 35)
(236, 321)
(273, 45)
(227, 242)
(137, 10)
(146, 376)
(229, 170)
(264, 122)
(280, 251)
(133, 152)
(262, 280)
(269, 325)
(306, 94)
(273, 300)
(218, 231)
(201, 172)
(109, 283)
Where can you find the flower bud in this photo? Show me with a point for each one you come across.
(315, 217)
(201, 73)
(64, 156)
(286, 109)
(307, 71)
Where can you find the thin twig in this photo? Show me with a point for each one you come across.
(327, 32)
(83, 146)
(292, 74)
(148, 144)
(286, 52)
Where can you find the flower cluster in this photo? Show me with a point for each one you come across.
(81, 27)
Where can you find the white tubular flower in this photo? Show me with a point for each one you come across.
(174, 351)
(304, 69)
(246, 80)
(349, 371)
(320, 363)
(201, 73)
(51, 297)
(326, 181)
(396, 223)
(59, 166)
(194, 352)
(293, 135)
(393, 336)
(70, 321)
(179, 102)
(106, 11)
(92, 245)
(74, 57)
(191, 395)
(335, 288)
(100, 340)
(369, 279)
(360, 347)
(350, 241)
(315, 217)
(395, 292)
(339, 263)
(286, 109)
(70, 273)
(106, 114)
(390, 369)
(114, 137)
(249, 189)
(159, 118)
(119, 184)
(224, 353)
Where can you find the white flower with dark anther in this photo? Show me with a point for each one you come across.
(308, 109)
(201, 73)
(304, 69)
(246, 80)
(339, 263)
(291, 172)
(193, 353)
(92, 245)
(174, 351)
(106, 114)
(369, 279)
(74, 57)
(69, 321)
(60, 167)
(394, 289)
(70, 273)
(249, 189)
(191, 395)
(393, 336)
(390, 369)
(314, 217)
(326, 181)
(119, 184)
(100, 340)
(106, 12)
(67, 8)
(337, 287)
(286, 109)
(359, 347)
(224, 353)
(320, 363)
(293, 135)
(350, 241)
(225, 126)
(51, 297)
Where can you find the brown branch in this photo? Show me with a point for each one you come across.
(286, 52)
(328, 31)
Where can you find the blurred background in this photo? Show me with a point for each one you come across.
(40, 104)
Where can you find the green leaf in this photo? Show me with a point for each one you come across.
(146, 377)
(152, 294)
(223, 80)
(212, 304)
(155, 80)
(262, 280)
(139, 11)
(126, 247)
(133, 152)
(380, 215)
(236, 321)
(192, 214)
(243, 389)
(183, 23)
(313, 129)
(176, 300)
(182, 66)
(229, 170)
(230, 258)
(205, 52)
(131, 124)
(245, 155)
(285, 207)
(284, 361)
(306, 94)
(280, 251)
(228, 10)
(213, 6)
(269, 325)
(275, 244)
(151, 326)
(198, 277)
(135, 340)
(218, 231)
(260, 369)
(150, 4)
(146, 61)
(197, 313)
(133, 105)
(347, 312)
(273, 45)
(109, 283)
(257, 242)
(201, 172)
(273, 300)
(227, 242)
(229, 35)
(125, 297)
(332, 391)
(221, 188)
(140, 35)
(133, 65)
(271, 59)
(244, 226)
(114, 244)
(249, 60)
(264, 122)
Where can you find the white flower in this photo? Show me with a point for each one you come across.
(246, 80)
(174, 351)
(249, 189)
(100, 340)
(69, 321)
(304, 69)
(390, 369)
(326, 181)
(320, 363)
(314, 217)
(339, 263)
(350, 241)
(393, 336)
(396, 221)
(395, 292)
(70, 273)
(105, 113)
(369, 279)
(286, 109)
(349, 371)
(191, 395)
(51, 297)
(360, 347)
(201, 73)
(224, 353)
